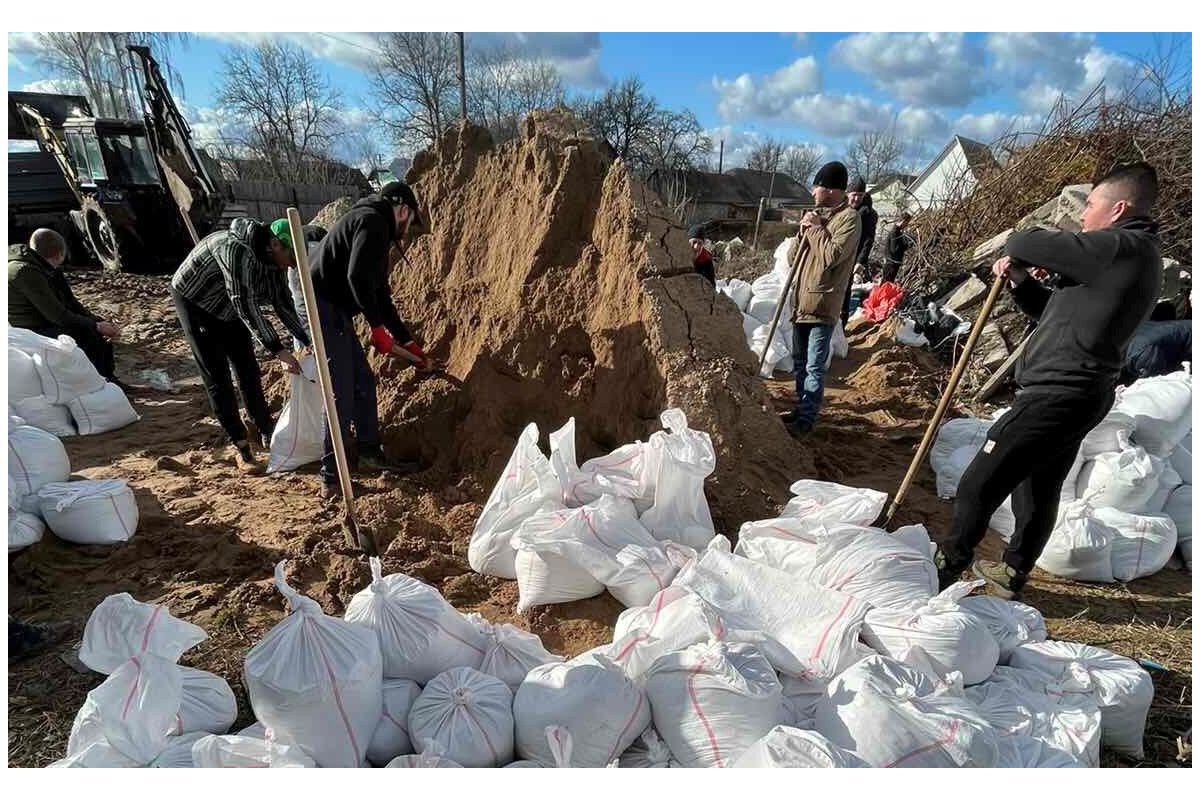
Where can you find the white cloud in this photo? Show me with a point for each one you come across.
(916, 124)
(837, 115)
(989, 127)
(1055, 59)
(55, 86)
(939, 69)
(744, 97)
(23, 49)
(739, 143)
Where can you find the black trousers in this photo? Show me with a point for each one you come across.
(1028, 453)
(215, 345)
(98, 349)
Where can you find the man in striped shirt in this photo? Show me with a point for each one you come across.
(219, 291)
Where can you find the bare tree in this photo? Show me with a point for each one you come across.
(503, 87)
(289, 109)
(415, 85)
(623, 116)
(800, 161)
(766, 156)
(873, 154)
(99, 62)
(674, 140)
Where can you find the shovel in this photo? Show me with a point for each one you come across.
(356, 535)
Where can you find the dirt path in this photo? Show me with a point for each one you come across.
(209, 538)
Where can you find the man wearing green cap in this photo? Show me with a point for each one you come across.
(312, 235)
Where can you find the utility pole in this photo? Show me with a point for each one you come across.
(721, 158)
(462, 78)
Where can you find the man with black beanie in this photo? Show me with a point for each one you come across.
(1108, 279)
(350, 277)
(829, 240)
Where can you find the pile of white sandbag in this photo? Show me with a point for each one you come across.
(625, 522)
(53, 386)
(758, 300)
(1126, 505)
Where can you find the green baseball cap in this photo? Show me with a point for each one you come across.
(283, 232)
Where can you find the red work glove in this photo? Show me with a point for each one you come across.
(382, 340)
(415, 349)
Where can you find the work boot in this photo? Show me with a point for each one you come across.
(799, 428)
(789, 417)
(330, 491)
(376, 461)
(948, 573)
(26, 640)
(245, 460)
(1001, 579)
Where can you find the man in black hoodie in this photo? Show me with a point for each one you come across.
(861, 202)
(1109, 277)
(350, 277)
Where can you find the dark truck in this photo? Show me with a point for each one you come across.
(135, 193)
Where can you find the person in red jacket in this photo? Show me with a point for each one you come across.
(702, 258)
(350, 277)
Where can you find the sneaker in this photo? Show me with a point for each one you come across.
(245, 460)
(376, 461)
(26, 640)
(948, 574)
(1002, 580)
(789, 417)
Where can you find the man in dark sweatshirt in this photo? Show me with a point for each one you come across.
(1109, 277)
(350, 277)
(861, 202)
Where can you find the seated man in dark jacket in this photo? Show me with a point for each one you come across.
(1108, 281)
(1158, 348)
(41, 300)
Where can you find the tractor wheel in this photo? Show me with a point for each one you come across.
(117, 246)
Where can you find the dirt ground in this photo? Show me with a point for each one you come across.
(208, 537)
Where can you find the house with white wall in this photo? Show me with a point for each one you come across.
(960, 165)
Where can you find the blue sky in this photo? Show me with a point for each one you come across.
(820, 88)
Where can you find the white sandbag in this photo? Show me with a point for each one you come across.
(1080, 546)
(822, 502)
(1143, 545)
(63, 368)
(956, 640)
(1112, 435)
(807, 630)
(96, 755)
(208, 703)
(1179, 509)
(522, 765)
(740, 292)
(1161, 408)
(952, 437)
(777, 351)
(1168, 481)
(1181, 459)
(1019, 751)
(35, 458)
(1011, 623)
(426, 760)
(1059, 711)
(178, 752)
(907, 334)
(527, 486)
(762, 306)
(749, 325)
(648, 752)
(243, 751)
(544, 577)
(786, 543)
(105, 409)
(1124, 690)
(684, 458)
(1124, 480)
(838, 346)
(786, 364)
(509, 652)
(317, 680)
(785, 747)
(887, 570)
(121, 628)
(23, 530)
(391, 737)
(299, 435)
(589, 696)
(89, 512)
(23, 380)
(712, 701)
(629, 471)
(468, 715)
(40, 413)
(134, 711)
(420, 634)
(674, 619)
(891, 715)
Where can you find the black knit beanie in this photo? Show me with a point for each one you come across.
(859, 185)
(832, 176)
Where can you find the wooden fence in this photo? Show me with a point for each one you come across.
(269, 200)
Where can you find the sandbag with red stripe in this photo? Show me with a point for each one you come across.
(208, 703)
(674, 619)
(122, 627)
(317, 681)
(420, 634)
(712, 701)
(591, 698)
(468, 715)
(511, 652)
(89, 512)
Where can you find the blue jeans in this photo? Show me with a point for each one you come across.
(810, 352)
(353, 387)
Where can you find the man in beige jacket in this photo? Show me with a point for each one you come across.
(828, 240)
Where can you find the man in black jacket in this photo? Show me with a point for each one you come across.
(1109, 277)
(869, 219)
(350, 277)
(897, 244)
